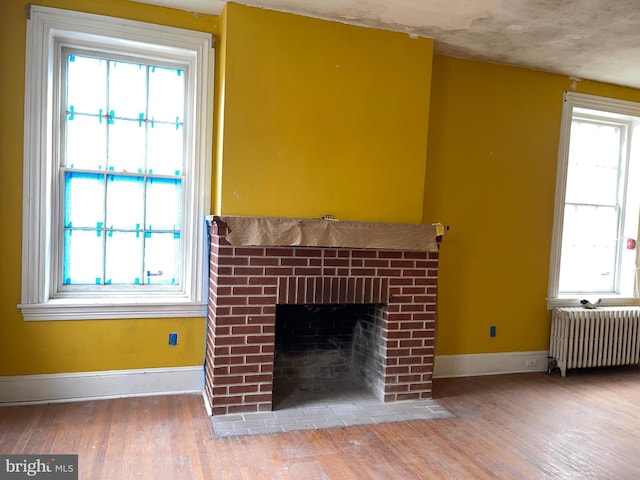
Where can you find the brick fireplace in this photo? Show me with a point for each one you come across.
(248, 282)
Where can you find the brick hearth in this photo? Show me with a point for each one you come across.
(246, 283)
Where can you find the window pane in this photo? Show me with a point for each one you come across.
(82, 257)
(126, 146)
(594, 161)
(166, 94)
(127, 89)
(134, 127)
(123, 258)
(589, 249)
(125, 202)
(84, 200)
(86, 142)
(165, 155)
(86, 84)
(162, 258)
(164, 204)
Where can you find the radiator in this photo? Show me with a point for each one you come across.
(605, 336)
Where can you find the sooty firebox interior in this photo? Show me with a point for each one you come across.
(322, 344)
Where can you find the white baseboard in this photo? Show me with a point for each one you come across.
(69, 387)
(489, 364)
(207, 404)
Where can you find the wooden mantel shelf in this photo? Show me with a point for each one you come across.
(313, 232)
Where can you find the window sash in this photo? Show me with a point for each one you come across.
(99, 233)
(591, 247)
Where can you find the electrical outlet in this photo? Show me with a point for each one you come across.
(532, 362)
(173, 339)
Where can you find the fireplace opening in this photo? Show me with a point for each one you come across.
(327, 350)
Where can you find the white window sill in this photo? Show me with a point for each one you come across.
(613, 301)
(98, 308)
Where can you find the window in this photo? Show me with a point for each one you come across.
(122, 169)
(117, 168)
(594, 255)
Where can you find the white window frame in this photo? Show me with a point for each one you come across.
(630, 213)
(48, 30)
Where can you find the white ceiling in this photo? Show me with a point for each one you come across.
(586, 39)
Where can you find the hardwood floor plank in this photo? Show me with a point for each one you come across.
(527, 426)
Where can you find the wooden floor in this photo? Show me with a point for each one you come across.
(527, 426)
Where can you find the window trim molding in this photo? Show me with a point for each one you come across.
(593, 102)
(45, 28)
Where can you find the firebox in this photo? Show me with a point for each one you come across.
(367, 293)
(326, 346)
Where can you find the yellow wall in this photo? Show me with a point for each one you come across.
(219, 106)
(491, 169)
(322, 117)
(71, 346)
